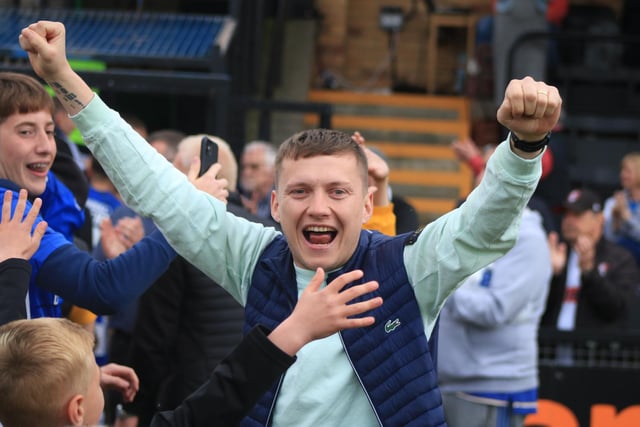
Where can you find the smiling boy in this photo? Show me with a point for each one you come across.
(27, 151)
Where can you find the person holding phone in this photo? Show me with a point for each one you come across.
(180, 292)
(186, 323)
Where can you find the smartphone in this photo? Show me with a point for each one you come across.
(208, 154)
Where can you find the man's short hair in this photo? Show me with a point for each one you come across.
(43, 363)
(321, 142)
(22, 94)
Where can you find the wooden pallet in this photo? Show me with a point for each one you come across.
(415, 133)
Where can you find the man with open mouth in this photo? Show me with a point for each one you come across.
(379, 375)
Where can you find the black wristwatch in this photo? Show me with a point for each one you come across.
(530, 146)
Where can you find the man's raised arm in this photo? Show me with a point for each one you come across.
(44, 41)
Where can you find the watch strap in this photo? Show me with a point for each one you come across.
(530, 146)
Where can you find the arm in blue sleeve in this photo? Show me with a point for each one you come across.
(107, 286)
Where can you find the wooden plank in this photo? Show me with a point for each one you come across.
(448, 127)
(460, 104)
(430, 178)
(438, 206)
(400, 150)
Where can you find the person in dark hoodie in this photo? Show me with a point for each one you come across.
(60, 269)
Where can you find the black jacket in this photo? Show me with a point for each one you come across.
(14, 283)
(606, 293)
(233, 388)
(185, 325)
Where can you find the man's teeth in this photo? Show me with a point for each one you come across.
(317, 229)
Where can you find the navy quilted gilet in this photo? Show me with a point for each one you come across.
(391, 358)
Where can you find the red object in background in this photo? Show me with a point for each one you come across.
(557, 10)
(547, 163)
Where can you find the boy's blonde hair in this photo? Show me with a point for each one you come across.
(43, 363)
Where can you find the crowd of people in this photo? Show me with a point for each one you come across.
(280, 290)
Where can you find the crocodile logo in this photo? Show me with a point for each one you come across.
(391, 325)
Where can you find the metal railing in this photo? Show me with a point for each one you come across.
(589, 348)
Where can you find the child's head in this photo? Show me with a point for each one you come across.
(27, 144)
(48, 374)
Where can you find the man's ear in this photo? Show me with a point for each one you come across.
(274, 206)
(367, 210)
(75, 410)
